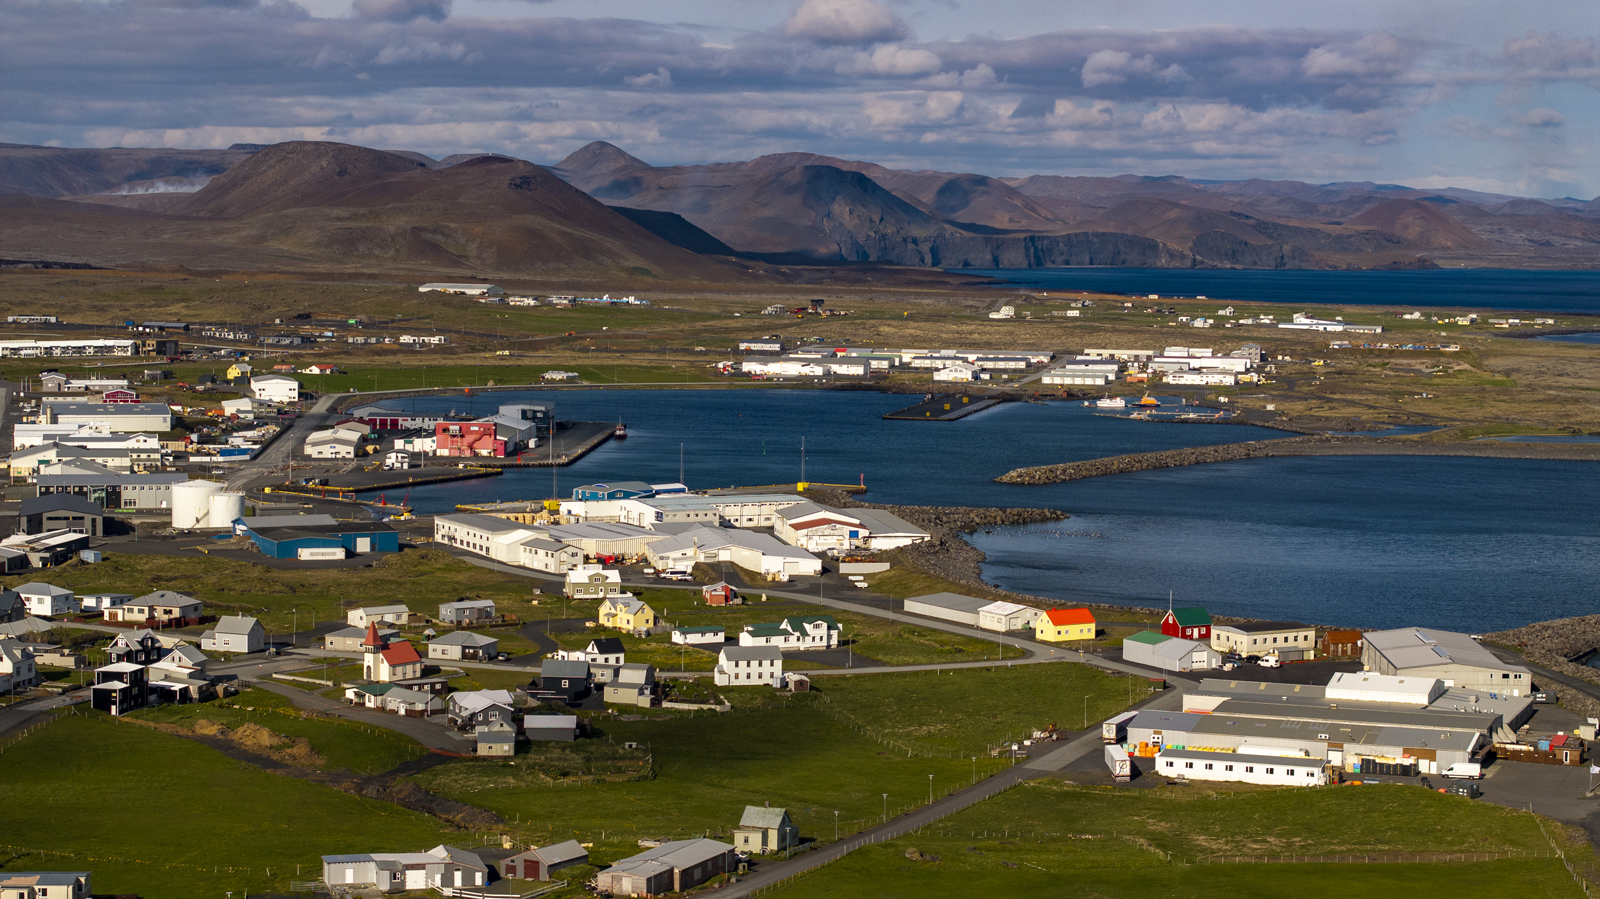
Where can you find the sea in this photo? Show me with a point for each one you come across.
(1472, 544)
(1512, 290)
(1591, 337)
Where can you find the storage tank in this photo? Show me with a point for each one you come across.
(191, 503)
(225, 507)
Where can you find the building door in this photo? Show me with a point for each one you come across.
(363, 544)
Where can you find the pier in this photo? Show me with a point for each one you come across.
(944, 407)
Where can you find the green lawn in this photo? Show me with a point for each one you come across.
(420, 578)
(345, 744)
(967, 711)
(168, 818)
(1136, 843)
(708, 767)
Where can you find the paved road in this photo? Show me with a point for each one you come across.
(19, 715)
(425, 731)
(1049, 763)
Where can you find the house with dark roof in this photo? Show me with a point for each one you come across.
(1193, 623)
(764, 829)
(543, 862)
(564, 680)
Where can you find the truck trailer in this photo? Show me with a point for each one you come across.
(1115, 729)
(1118, 762)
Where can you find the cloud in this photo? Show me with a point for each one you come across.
(1378, 54)
(401, 10)
(419, 51)
(1116, 66)
(659, 78)
(845, 22)
(891, 59)
(1541, 118)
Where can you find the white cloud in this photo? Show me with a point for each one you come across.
(1376, 54)
(846, 22)
(401, 10)
(419, 51)
(891, 59)
(1116, 66)
(659, 78)
(1541, 118)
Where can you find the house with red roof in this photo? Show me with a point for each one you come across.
(387, 661)
(1060, 625)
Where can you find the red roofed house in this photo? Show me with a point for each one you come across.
(1058, 625)
(719, 594)
(386, 662)
(1189, 624)
(320, 370)
(283, 368)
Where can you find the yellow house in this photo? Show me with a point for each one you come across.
(239, 370)
(625, 613)
(1060, 625)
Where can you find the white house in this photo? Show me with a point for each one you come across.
(749, 666)
(275, 388)
(17, 669)
(47, 600)
(707, 635)
(957, 371)
(393, 614)
(549, 556)
(796, 632)
(234, 633)
(1007, 616)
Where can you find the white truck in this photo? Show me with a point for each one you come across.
(1270, 660)
(1114, 729)
(1464, 771)
(1120, 765)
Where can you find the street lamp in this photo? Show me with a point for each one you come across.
(974, 770)
(836, 827)
(886, 808)
(930, 789)
(1085, 713)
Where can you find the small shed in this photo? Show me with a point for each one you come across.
(1340, 644)
(550, 729)
(541, 863)
(466, 611)
(719, 594)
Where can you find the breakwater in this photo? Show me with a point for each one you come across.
(1311, 445)
(1558, 645)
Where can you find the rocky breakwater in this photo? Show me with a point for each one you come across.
(945, 554)
(1199, 455)
(1556, 645)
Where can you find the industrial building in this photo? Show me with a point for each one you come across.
(61, 511)
(1246, 767)
(310, 542)
(1456, 659)
(954, 607)
(113, 417)
(143, 492)
(1166, 653)
(750, 550)
(33, 349)
(669, 868)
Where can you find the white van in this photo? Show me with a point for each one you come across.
(1464, 771)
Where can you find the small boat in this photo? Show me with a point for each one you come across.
(620, 432)
(1111, 402)
(1149, 400)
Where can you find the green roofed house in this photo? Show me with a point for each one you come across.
(708, 635)
(794, 632)
(1193, 623)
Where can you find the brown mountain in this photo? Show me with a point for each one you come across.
(325, 205)
(71, 171)
(1420, 224)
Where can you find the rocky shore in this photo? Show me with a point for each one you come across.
(1555, 645)
(1312, 445)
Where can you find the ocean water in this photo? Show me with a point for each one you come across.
(1471, 544)
(1463, 543)
(1592, 337)
(1475, 288)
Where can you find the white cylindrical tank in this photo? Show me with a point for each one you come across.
(191, 503)
(225, 507)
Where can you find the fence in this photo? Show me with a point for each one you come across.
(1391, 858)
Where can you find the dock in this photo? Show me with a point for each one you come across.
(572, 444)
(378, 479)
(944, 407)
(784, 488)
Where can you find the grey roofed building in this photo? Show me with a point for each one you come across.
(563, 668)
(671, 867)
(234, 633)
(349, 639)
(464, 645)
(540, 863)
(1457, 659)
(947, 606)
(550, 728)
(53, 511)
(765, 829)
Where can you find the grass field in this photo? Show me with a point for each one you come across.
(345, 744)
(967, 711)
(168, 818)
(420, 578)
(1033, 840)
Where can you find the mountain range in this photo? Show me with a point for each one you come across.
(602, 210)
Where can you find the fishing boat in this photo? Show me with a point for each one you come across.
(1111, 402)
(620, 432)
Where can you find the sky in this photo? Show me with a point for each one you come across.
(1483, 94)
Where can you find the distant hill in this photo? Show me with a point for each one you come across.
(327, 205)
(335, 205)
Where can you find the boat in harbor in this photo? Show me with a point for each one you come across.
(620, 432)
(1111, 402)
(1148, 400)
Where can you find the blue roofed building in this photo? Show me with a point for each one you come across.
(615, 490)
(317, 536)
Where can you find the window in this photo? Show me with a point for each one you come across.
(1249, 769)
(1188, 764)
(1227, 767)
(1208, 766)
(1271, 771)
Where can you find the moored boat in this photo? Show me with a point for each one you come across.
(1111, 402)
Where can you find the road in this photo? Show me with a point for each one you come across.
(1049, 763)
